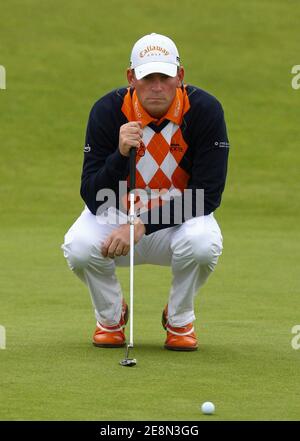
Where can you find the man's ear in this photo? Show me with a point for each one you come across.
(130, 77)
(180, 76)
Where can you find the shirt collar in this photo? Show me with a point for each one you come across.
(178, 108)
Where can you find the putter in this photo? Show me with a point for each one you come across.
(129, 362)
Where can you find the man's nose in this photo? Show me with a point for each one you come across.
(156, 84)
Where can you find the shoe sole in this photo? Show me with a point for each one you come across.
(99, 345)
(181, 348)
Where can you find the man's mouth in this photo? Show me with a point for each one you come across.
(155, 99)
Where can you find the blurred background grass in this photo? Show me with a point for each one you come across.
(60, 57)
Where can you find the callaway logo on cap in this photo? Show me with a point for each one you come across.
(154, 53)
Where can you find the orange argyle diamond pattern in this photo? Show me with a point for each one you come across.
(158, 148)
(160, 180)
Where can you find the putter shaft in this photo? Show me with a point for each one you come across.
(131, 361)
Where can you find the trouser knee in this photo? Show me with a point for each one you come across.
(84, 255)
(201, 245)
(78, 253)
(207, 249)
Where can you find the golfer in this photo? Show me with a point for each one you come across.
(179, 134)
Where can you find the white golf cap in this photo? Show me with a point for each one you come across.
(154, 53)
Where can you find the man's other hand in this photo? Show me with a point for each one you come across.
(118, 242)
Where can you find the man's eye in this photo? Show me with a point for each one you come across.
(161, 76)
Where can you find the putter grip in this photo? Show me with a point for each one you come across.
(132, 168)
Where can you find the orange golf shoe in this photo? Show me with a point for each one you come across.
(179, 339)
(112, 336)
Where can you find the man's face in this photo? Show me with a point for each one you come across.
(156, 91)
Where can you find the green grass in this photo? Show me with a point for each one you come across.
(59, 58)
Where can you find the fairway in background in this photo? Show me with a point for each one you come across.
(60, 57)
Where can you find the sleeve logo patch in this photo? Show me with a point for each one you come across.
(87, 148)
(221, 144)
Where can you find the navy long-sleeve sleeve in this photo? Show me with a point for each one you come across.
(103, 165)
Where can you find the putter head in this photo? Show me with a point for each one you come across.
(129, 362)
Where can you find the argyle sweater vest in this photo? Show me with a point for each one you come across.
(163, 146)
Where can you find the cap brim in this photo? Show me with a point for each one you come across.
(155, 67)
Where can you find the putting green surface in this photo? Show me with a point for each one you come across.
(60, 57)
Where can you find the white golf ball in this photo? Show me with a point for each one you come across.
(208, 408)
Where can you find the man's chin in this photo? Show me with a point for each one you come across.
(156, 108)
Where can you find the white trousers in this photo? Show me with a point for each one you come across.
(191, 249)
